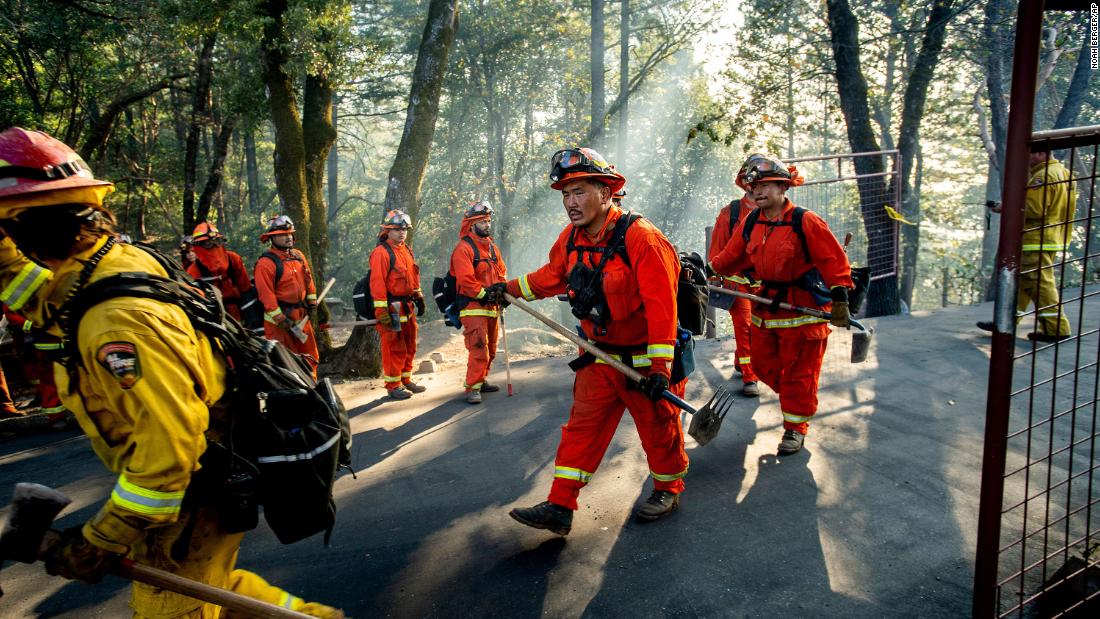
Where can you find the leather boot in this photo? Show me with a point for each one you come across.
(545, 515)
(791, 443)
(659, 504)
(486, 387)
(415, 388)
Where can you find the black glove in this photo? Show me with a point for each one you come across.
(496, 292)
(75, 558)
(419, 301)
(711, 272)
(654, 385)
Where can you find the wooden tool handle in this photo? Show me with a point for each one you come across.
(630, 372)
(202, 591)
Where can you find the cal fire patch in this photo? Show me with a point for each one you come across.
(121, 360)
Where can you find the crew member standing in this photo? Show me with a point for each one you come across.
(809, 270)
(740, 309)
(284, 284)
(629, 309)
(141, 383)
(219, 266)
(476, 264)
(395, 290)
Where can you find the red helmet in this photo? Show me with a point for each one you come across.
(278, 225)
(770, 169)
(740, 179)
(205, 231)
(32, 162)
(575, 163)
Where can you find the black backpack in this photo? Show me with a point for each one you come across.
(360, 296)
(277, 436)
(445, 289)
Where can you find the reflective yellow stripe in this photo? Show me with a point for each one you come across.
(792, 418)
(744, 360)
(786, 323)
(381, 303)
(638, 361)
(311, 296)
(476, 386)
(565, 472)
(30, 278)
(53, 409)
(673, 477)
(47, 346)
(404, 319)
(145, 501)
(391, 379)
(27, 326)
(287, 600)
(480, 295)
(1044, 247)
(488, 313)
(1049, 314)
(660, 351)
(525, 289)
(406, 374)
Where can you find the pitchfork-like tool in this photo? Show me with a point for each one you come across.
(705, 421)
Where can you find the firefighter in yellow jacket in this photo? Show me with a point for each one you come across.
(1048, 230)
(143, 381)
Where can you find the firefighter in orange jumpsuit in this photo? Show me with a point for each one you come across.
(395, 290)
(284, 284)
(143, 382)
(38, 366)
(787, 347)
(476, 264)
(223, 268)
(629, 310)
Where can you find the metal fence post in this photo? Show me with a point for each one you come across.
(712, 316)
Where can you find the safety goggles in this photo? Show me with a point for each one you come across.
(282, 222)
(397, 219)
(479, 208)
(752, 160)
(577, 160)
(765, 168)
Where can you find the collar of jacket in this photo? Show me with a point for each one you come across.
(66, 277)
(784, 214)
(613, 215)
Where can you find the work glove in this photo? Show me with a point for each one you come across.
(711, 273)
(75, 558)
(497, 292)
(654, 385)
(383, 317)
(840, 315)
(419, 301)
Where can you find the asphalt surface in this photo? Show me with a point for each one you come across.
(875, 517)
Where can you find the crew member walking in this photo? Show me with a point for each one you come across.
(740, 309)
(476, 264)
(808, 269)
(395, 289)
(284, 284)
(628, 307)
(141, 383)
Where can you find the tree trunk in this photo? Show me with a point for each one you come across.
(200, 117)
(252, 171)
(624, 78)
(882, 295)
(996, 31)
(598, 96)
(217, 173)
(290, 155)
(100, 130)
(319, 136)
(360, 356)
(1078, 87)
(916, 92)
(333, 182)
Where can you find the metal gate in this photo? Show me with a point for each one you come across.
(1038, 546)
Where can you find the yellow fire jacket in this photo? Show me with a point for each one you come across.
(142, 388)
(1049, 207)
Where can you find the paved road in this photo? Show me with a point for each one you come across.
(874, 518)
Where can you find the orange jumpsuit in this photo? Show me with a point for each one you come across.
(37, 364)
(398, 283)
(287, 300)
(642, 299)
(787, 347)
(479, 320)
(225, 270)
(741, 310)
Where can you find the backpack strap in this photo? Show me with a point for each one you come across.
(278, 266)
(795, 223)
(615, 245)
(389, 250)
(477, 254)
(735, 213)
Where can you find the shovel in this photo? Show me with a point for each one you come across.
(704, 421)
(861, 339)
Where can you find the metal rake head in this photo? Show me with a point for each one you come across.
(706, 422)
